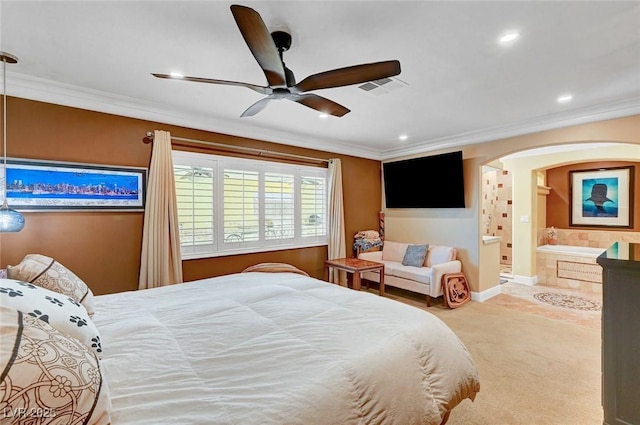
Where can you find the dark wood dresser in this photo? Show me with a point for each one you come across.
(621, 334)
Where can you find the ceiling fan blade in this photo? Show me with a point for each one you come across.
(259, 89)
(347, 76)
(320, 103)
(257, 107)
(259, 40)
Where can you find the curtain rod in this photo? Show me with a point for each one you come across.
(149, 138)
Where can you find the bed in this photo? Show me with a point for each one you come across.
(277, 348)
(249, 348)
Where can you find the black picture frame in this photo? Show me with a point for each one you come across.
(40, 185)
(602, 197)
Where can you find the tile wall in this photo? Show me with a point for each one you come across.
(592, 238)
(489, 203)
(505, 214)
(497, 210)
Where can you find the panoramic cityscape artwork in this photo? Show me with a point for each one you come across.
(35, 185)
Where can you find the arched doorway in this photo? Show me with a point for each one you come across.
(528, 210)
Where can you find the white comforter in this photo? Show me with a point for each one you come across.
(277, 348)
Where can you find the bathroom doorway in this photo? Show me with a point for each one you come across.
(497, 202)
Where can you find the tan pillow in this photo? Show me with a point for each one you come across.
(394, 251)
(47, 377)
(48, 273)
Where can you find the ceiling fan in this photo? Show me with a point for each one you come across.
(268, 49)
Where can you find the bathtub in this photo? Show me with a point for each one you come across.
(577, 251)
(567, 266)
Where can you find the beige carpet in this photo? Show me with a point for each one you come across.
(533, 369)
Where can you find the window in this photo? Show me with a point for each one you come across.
(231, 205)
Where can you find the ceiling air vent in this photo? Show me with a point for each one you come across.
(368, 86)
(382, 86)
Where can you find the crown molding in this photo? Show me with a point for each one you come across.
(575, 117)
(33, 88)
(48, 91)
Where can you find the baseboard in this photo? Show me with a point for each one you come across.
(486, 294)
(525, 280)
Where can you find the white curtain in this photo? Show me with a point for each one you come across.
(160, 260)
(337, 240)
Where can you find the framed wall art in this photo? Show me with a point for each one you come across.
(35, 185)
(602, 198)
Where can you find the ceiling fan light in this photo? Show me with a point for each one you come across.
(267, 49)
(323, 116)
(176, 75)
(403, 137)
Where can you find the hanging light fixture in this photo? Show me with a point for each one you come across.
(10, 220)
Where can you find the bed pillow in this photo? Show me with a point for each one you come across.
(47, 377)
(415, 254)
(48, 273)
(274, 268)
(61, 312)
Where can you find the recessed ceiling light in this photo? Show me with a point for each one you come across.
(176, 75)
(403, 137)
(323, 115)
(565, 98)
(509, 37)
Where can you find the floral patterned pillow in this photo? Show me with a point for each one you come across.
(48, 378)
(48, 273)
(61, 312)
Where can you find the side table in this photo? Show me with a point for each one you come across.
(355, 266)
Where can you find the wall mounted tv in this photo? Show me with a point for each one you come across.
(435, 181)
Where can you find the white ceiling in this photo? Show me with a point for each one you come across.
(457, 86)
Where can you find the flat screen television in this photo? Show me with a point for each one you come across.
(435, 181)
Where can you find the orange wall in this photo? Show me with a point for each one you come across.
(103, 248)
(559, 199)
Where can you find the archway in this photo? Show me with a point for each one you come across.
(528, 169)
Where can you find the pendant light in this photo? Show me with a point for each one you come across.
(10, 220)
